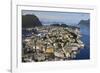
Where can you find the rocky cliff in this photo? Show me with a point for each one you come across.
(29, 21)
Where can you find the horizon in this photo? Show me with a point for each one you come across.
(49, 17)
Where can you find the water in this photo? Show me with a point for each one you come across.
(85, 52)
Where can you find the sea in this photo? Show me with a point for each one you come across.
(85, 52)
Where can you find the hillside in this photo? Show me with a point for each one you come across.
(30, 21)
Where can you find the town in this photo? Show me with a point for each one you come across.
(50, 43)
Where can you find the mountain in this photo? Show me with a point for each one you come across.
(85, 23)
(85, 27)
(30, 21)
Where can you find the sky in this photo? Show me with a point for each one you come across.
(49, 17)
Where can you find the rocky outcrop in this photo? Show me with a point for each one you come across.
(29, 21)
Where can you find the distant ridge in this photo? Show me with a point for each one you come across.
(84, 22)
